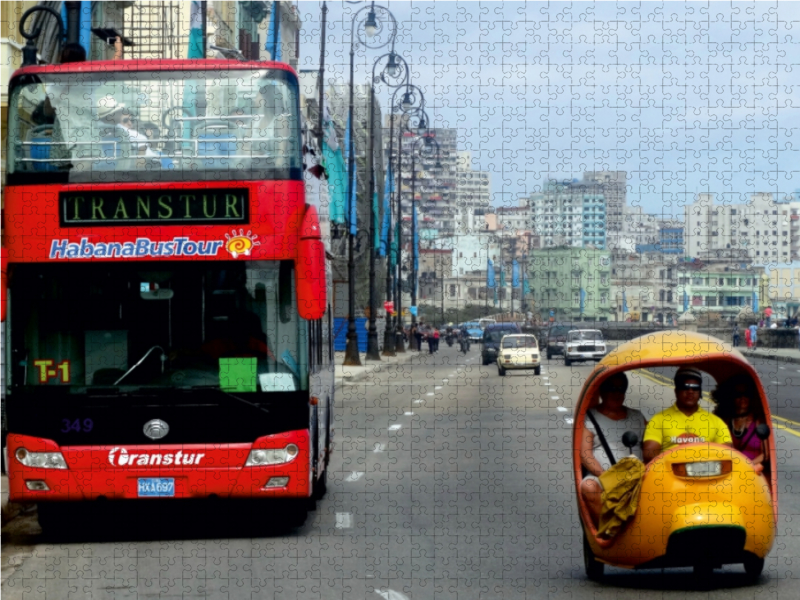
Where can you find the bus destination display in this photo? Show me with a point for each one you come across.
(112, 207)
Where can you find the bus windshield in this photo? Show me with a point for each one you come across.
(230, 325)
(154, 126)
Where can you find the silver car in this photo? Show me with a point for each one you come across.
(584, 344)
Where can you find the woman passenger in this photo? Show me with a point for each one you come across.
(614, 419)
(738, 405)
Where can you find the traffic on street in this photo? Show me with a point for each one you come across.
(447, 479)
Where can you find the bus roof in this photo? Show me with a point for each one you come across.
(96, 66)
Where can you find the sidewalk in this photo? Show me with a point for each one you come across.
(791, 355)
(343, 375)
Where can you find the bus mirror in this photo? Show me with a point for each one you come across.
(310, 277)
(310, 268)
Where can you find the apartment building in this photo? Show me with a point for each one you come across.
(644, 286)
(565, 214)
(761, 226)
(571, 284)
(433, 183)
(473, 197)
(724, 287)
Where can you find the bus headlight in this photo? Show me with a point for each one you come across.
(258, 458)
(41, 460)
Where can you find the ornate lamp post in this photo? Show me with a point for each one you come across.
(382, 31)
(427, 148)
(411, 102)
(395, 75)
(415, 122)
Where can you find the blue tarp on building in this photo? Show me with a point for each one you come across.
(340, 334)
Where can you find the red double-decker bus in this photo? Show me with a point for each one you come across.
(167, 327)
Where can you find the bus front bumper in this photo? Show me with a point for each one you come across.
(159, 471)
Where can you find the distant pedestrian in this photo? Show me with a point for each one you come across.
(754, 335)
(431, 343)
(748, 338)
(736, 335)
(435, 340)
(768, 314)
(418, 337)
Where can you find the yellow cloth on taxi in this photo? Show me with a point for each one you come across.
(621, 484)
(671, 427)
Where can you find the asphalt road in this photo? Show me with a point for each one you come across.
(448, 482)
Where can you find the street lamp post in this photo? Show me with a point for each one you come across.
(410, 113)
(373, 29)
(417, 148)
(395, 75)
(393, 338)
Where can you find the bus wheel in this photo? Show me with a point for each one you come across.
(320, 486)
(54, 519)
(295, 512)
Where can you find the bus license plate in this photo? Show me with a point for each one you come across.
(159, 486)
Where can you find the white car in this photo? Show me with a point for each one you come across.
(519, 351)
(584, 344)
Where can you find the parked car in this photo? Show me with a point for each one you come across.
(519, 352)
(491, 339)
(556, 337)
(584, 344)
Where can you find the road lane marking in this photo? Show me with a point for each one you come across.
(795, 423)
(390, 594)
(395, 427)
(344, 520)
(355, 476)
(569, 420)
(418, 401)
(429, 394)
(553, 397)
(438, 387)
(562, 408)
(787, 429)
(379, 448)
(408, 413)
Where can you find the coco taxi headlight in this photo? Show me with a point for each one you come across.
(41, 460)
(711, 468)
(278, 456)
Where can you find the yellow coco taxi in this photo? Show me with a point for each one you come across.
(519, 351)
(700, 504)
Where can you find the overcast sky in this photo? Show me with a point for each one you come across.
(686, 98)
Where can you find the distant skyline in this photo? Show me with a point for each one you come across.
(687, 98)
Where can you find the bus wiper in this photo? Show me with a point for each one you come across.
(216, 388)
(141, 360)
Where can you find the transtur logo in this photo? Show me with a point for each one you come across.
(688, 438)
(123, 459)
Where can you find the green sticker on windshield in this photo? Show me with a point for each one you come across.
(237, 374)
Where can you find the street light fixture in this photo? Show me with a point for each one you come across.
(393, 338)
(394, 75)
(371, 29)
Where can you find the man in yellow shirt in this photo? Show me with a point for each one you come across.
(684, 422)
